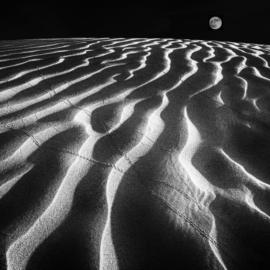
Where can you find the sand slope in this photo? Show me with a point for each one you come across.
(134, 154)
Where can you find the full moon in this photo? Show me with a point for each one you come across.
(215, 23)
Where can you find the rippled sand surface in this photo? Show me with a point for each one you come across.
(120, 154)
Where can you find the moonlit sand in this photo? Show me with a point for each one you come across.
(134, 154)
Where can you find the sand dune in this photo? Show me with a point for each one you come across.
(134, 154)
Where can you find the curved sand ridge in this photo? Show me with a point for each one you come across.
(134, 154)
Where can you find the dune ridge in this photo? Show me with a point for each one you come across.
(134, 153)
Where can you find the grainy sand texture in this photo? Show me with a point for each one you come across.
(134, 154)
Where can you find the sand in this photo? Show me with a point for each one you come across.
(134, 154)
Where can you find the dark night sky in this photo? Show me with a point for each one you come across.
(241, 21)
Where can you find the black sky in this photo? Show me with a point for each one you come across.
(242, 21)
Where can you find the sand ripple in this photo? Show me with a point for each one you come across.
(134, 154)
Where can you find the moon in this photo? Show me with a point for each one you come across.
(215, 23)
